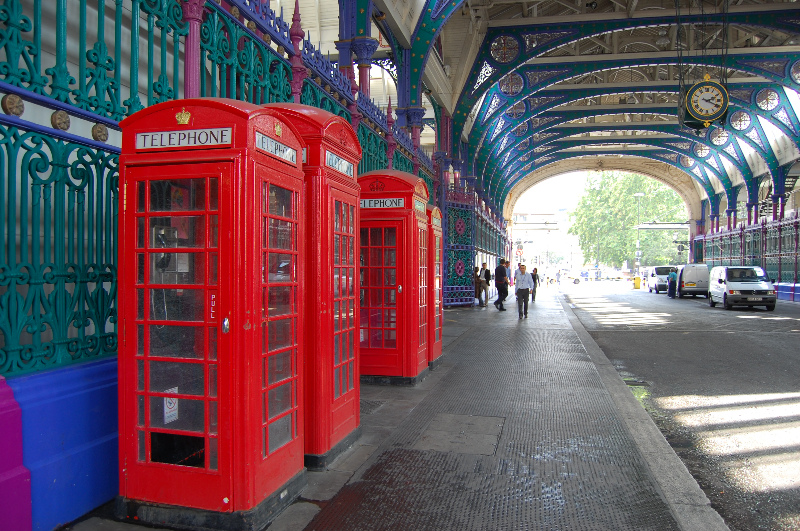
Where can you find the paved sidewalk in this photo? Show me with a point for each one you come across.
(525, 425)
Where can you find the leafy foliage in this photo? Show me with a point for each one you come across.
(606, 217)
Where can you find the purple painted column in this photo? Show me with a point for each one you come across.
(193, 14)
(299, 71)
(391, 143)
(15, 479)
(415, 115)
(364, 48)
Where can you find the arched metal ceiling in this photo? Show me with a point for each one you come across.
(540, 93)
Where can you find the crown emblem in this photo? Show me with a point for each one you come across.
(278, 129)
(183, 117)
(376, 186)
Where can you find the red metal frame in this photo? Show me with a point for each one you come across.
(202, 204)
(331, 306)
(394, 323)
(435, 307)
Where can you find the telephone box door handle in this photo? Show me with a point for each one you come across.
(399, 289)
(226, 325)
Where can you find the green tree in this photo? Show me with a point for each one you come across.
(606, 217)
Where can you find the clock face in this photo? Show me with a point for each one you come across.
(707, 101)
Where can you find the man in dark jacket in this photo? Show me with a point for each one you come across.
(501, 281)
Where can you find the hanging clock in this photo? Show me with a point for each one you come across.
(707, 101)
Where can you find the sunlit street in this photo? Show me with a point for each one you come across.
(722, 386)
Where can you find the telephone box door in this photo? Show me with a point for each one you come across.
(382, 281)
(173, 420)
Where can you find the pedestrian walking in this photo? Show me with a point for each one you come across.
(536, 282)
(523, 286)
(476, 280)
(501, 282)
(486, 278)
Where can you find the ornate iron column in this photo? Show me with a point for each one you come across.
(364, 48)
(299, 72)
(193, 15)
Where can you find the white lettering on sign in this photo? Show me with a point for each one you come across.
(332, 160)
(220, 136)
(273, 147)
(382, 203)
(170, 406)
(212, 307)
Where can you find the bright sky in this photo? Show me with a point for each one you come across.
(552, 195)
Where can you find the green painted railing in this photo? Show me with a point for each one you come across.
(402, 163)
(58, 276)
(238, 66)
(104, 77)
(373, 147)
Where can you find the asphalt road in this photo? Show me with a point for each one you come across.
(723, 387)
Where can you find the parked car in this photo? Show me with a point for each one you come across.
(740, 286)
(657, 279)
(692, 280)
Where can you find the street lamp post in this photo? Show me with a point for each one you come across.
(637, 260)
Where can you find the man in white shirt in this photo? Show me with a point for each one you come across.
(523, 285)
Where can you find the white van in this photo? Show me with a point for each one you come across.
(740, 286)
(692, 280)
(657, 278)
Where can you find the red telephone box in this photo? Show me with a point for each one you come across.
(211, 340)
(435, 307)
(393, 325)
(330, 313)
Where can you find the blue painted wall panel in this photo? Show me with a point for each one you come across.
(69, 439)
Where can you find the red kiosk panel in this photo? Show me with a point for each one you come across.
(211, 343)
(393, 328)
(332, 413)
(435, 307)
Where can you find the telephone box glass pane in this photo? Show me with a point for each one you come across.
(280, 432)
(177, 195)
(280, 400)
(187, 378)
(375, 237)
(390, 236)
(213, 194)
(176, 304)
(168, 341)
(213, 453)
(177, 231)
(280, 234)
(280, 334)
(280, 367)
(281, 300)
(181, 414)
(280, 201)
(364, 238)
(281, 268)
(140, 233)
(140, 195)
(177, 268)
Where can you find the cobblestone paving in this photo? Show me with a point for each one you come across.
(519, 434)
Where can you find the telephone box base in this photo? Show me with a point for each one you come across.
(188, 518)
(395, 380)
(432, 365)
(320, 462)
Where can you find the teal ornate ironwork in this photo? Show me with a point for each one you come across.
(402, 163)
(429, 185)
(58, 276)
(238, 65)
(459, 226)
(314, 96)
(373, 148)
(94, 84)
